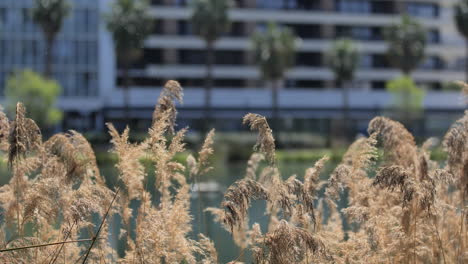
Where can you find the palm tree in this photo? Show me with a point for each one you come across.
(210, 19)
(406, 44)
(343, 59)
(274, 52)
(130, 24)
(461, 20)
(49, 15)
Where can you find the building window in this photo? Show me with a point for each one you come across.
(433, 36)
(179, 2)
(289, 4)
(236, 30)
(229, 83)
(158, 27)
(222, 57)
(229, 57)
(310, 84)
(354, 6)
(192, 57)
(365, 61)
(383, 7)
(379, 85)
(359, 33)
(306, 31)
(184, 28)
(432, 63)
(157, 2)
(380, 61)
(311, 59)
(427, 10)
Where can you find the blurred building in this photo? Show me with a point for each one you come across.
(85, 60)
(174, 52)
(76, 62)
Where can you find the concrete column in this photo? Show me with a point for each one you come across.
(329, 84)
(327, 31)
(400, 6)
(170, 28)
(327, 5)
(249, 3)
(249, 29)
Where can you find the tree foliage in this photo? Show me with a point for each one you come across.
(49, 15)
(37, 94)
(343, 59)
(210, 18)
(407, 97)
(130, 24)
(274, 51)
(461, 17)
(461, 21)
(406, 44)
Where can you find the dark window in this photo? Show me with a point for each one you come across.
(237, 29)
(354, 6)
(229, 83)
(180, 2)
(314, 84)
(240, 3)
(227, 57)
(383, 7)
(365, 61)
(378, 85)
(306, 31)
(184, 28)
(192, 56)
(313, 59)
(191, 82)
(142, 81)
(427, 10)
(3, 14)
(149, 56)
(433, 36)
(222, 57)
(158, 27)
(432, 63)
(157, 2)
(380, 61)
(359, 32)
(289, 4)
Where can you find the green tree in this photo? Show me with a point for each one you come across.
(38, 94)
(461, 20)
(406, 44)
(343, 59)
(49, 15)
(130, 24)
(407, 98)
(274, 52)
(210, 20)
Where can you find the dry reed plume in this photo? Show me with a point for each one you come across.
(402, 206)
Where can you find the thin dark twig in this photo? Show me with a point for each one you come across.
(57, 251)
(100, 227)
(45, 245)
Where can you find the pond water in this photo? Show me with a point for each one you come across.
(204, 222)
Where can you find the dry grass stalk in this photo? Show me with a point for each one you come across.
(413, 211)
(265, 141)
(171, 92)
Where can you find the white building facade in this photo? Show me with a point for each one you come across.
(84, 60)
